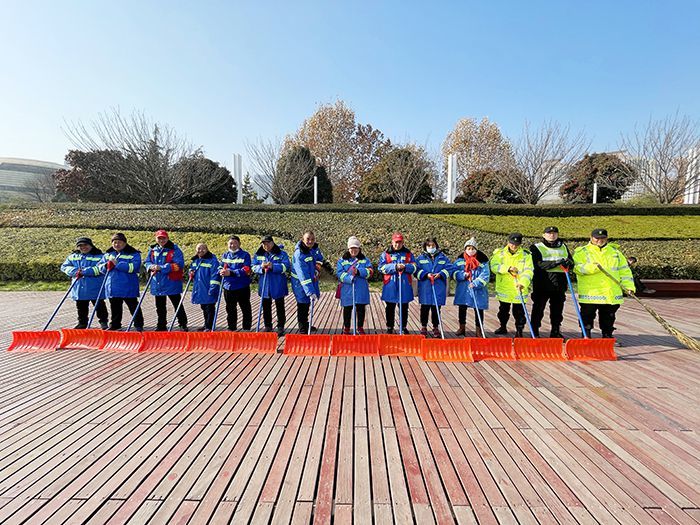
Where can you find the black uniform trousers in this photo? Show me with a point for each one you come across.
(359, 312)
(390, 312)
(425, 311)
(462, 315)
(116, 305)
(235, 298)
(208, 310)
(162, 310)
(556, 308)
(606, 317)
(303, 316)
(267, 312)
(518, 314)
(83, 307)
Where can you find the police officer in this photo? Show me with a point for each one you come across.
(549, 282)
(597, 293)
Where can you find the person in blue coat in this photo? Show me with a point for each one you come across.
(121, 265)
(471, 271)
(433, 271)
(306, 265)
(166, 262)
(353, 271)
(272, 264)
(81, 266)
(235, 269)
(204, 272)
(397, 265)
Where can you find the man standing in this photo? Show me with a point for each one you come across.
(306, 265)
(597, 293)
(81, 265)
(235, 272)
(549, 282)
(397, 266)
(512, 265)
(271, 263)
(122, 264)
(166, 261)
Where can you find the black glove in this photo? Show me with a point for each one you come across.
(567, 263)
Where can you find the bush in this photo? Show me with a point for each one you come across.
(612, 173)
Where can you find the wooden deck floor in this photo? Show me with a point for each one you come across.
(90, 437)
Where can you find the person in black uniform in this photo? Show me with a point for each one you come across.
(549, 282)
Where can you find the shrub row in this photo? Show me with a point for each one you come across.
(36, 253)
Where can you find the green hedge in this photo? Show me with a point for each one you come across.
(34, 254)
(543, 210)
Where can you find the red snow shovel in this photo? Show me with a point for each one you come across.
(45, 340)
(400, 345)
(307, 344)
(587, 349)
(127, 341)
(483, 348)
(355, 345)
(444, 349)
(212, 341)
(87, 338)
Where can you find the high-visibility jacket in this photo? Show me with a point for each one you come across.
(427, 264)
(479, 279)
(546, 258)
(171, 260)
(239, 264)
(364, 271)
(304, 265)
(387, 265)
(501, 260)
(88, 286)
(123, 280)
(275, 280)
(593, 285)
(206, 281)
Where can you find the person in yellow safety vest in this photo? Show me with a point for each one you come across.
(596, 291)
(513, 268)
(549, 282)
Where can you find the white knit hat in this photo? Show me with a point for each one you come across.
(353, 242)
(471, 242)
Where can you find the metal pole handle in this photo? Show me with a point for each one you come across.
(179, 305)
(476, 311)
(70, 288)
(437, 309)
(138, 306)
(262, 296)
(576, 306)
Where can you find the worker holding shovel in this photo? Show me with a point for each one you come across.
(206, 282)
(166, 262)
(513, 267)
(471, 272)
(235, 270)
(353, 270)
(306, 265)
(550, 257)
(122, 264)
(597, 293)
(397, 265)
(81, 266)
(272, 264)
(433, 271)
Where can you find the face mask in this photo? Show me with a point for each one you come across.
(470, 253)
(432, 250)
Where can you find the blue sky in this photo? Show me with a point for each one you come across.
(223, 72)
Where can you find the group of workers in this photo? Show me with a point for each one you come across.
(539, 273)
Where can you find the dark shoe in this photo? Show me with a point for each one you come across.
(80, 326)
(280, 331)
(555, 334)
(518, 331)
(501, 331)
(303, 329)
(114, 328)
(138, 328)
(536, 333)
(314, 329)
(424, 331)
(436, 332)
(268, 329)
(346, 331)
(478, 332)
(104, 325)
(462, 330)
(361, 331)
(183, 328)
(160, 328)
(405, 331)
(389, 330)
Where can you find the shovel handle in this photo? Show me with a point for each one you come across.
(476, 311)
(437, 309)
(143, 296)
(527, 314)
(70, 288)
(400, 306)
(179, 305)
(576, 306)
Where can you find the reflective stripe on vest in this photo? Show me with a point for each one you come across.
(552, 254)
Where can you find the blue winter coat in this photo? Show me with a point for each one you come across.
(88, 286)
(479, 278)
(387, 266)
(239, 263)
(304, 282)
(364, 272)
(206, 282)
(275, 280)
(123, 279)
(427, 264)
(167, 281)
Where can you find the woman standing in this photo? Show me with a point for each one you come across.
(472, 273)
(353, 271)
(433, 272)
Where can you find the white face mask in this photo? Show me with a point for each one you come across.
(470, 251)
(431, 250)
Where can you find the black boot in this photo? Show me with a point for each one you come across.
(536, 332)
(518, 331)
(502, 330)
(555, 333)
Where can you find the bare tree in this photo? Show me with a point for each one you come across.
(142, 164)
(542, 158)
(665, 155)
(263, 155)
(295, 175)
(41, 188)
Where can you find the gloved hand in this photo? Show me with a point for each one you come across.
(174, 267)
(246, 269)
(353, 270)
(468, 275)
(191, 274)
(431, 276)
(110, 265)
(79, 273)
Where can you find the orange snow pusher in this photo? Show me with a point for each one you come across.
(483, 348)
(355, 346)
(400, 345)
(44, 340)
(307, 344)
(587, 349)
(450, 350)
(76, 338)
(212, 341)
(165, 342)
(127, 341)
